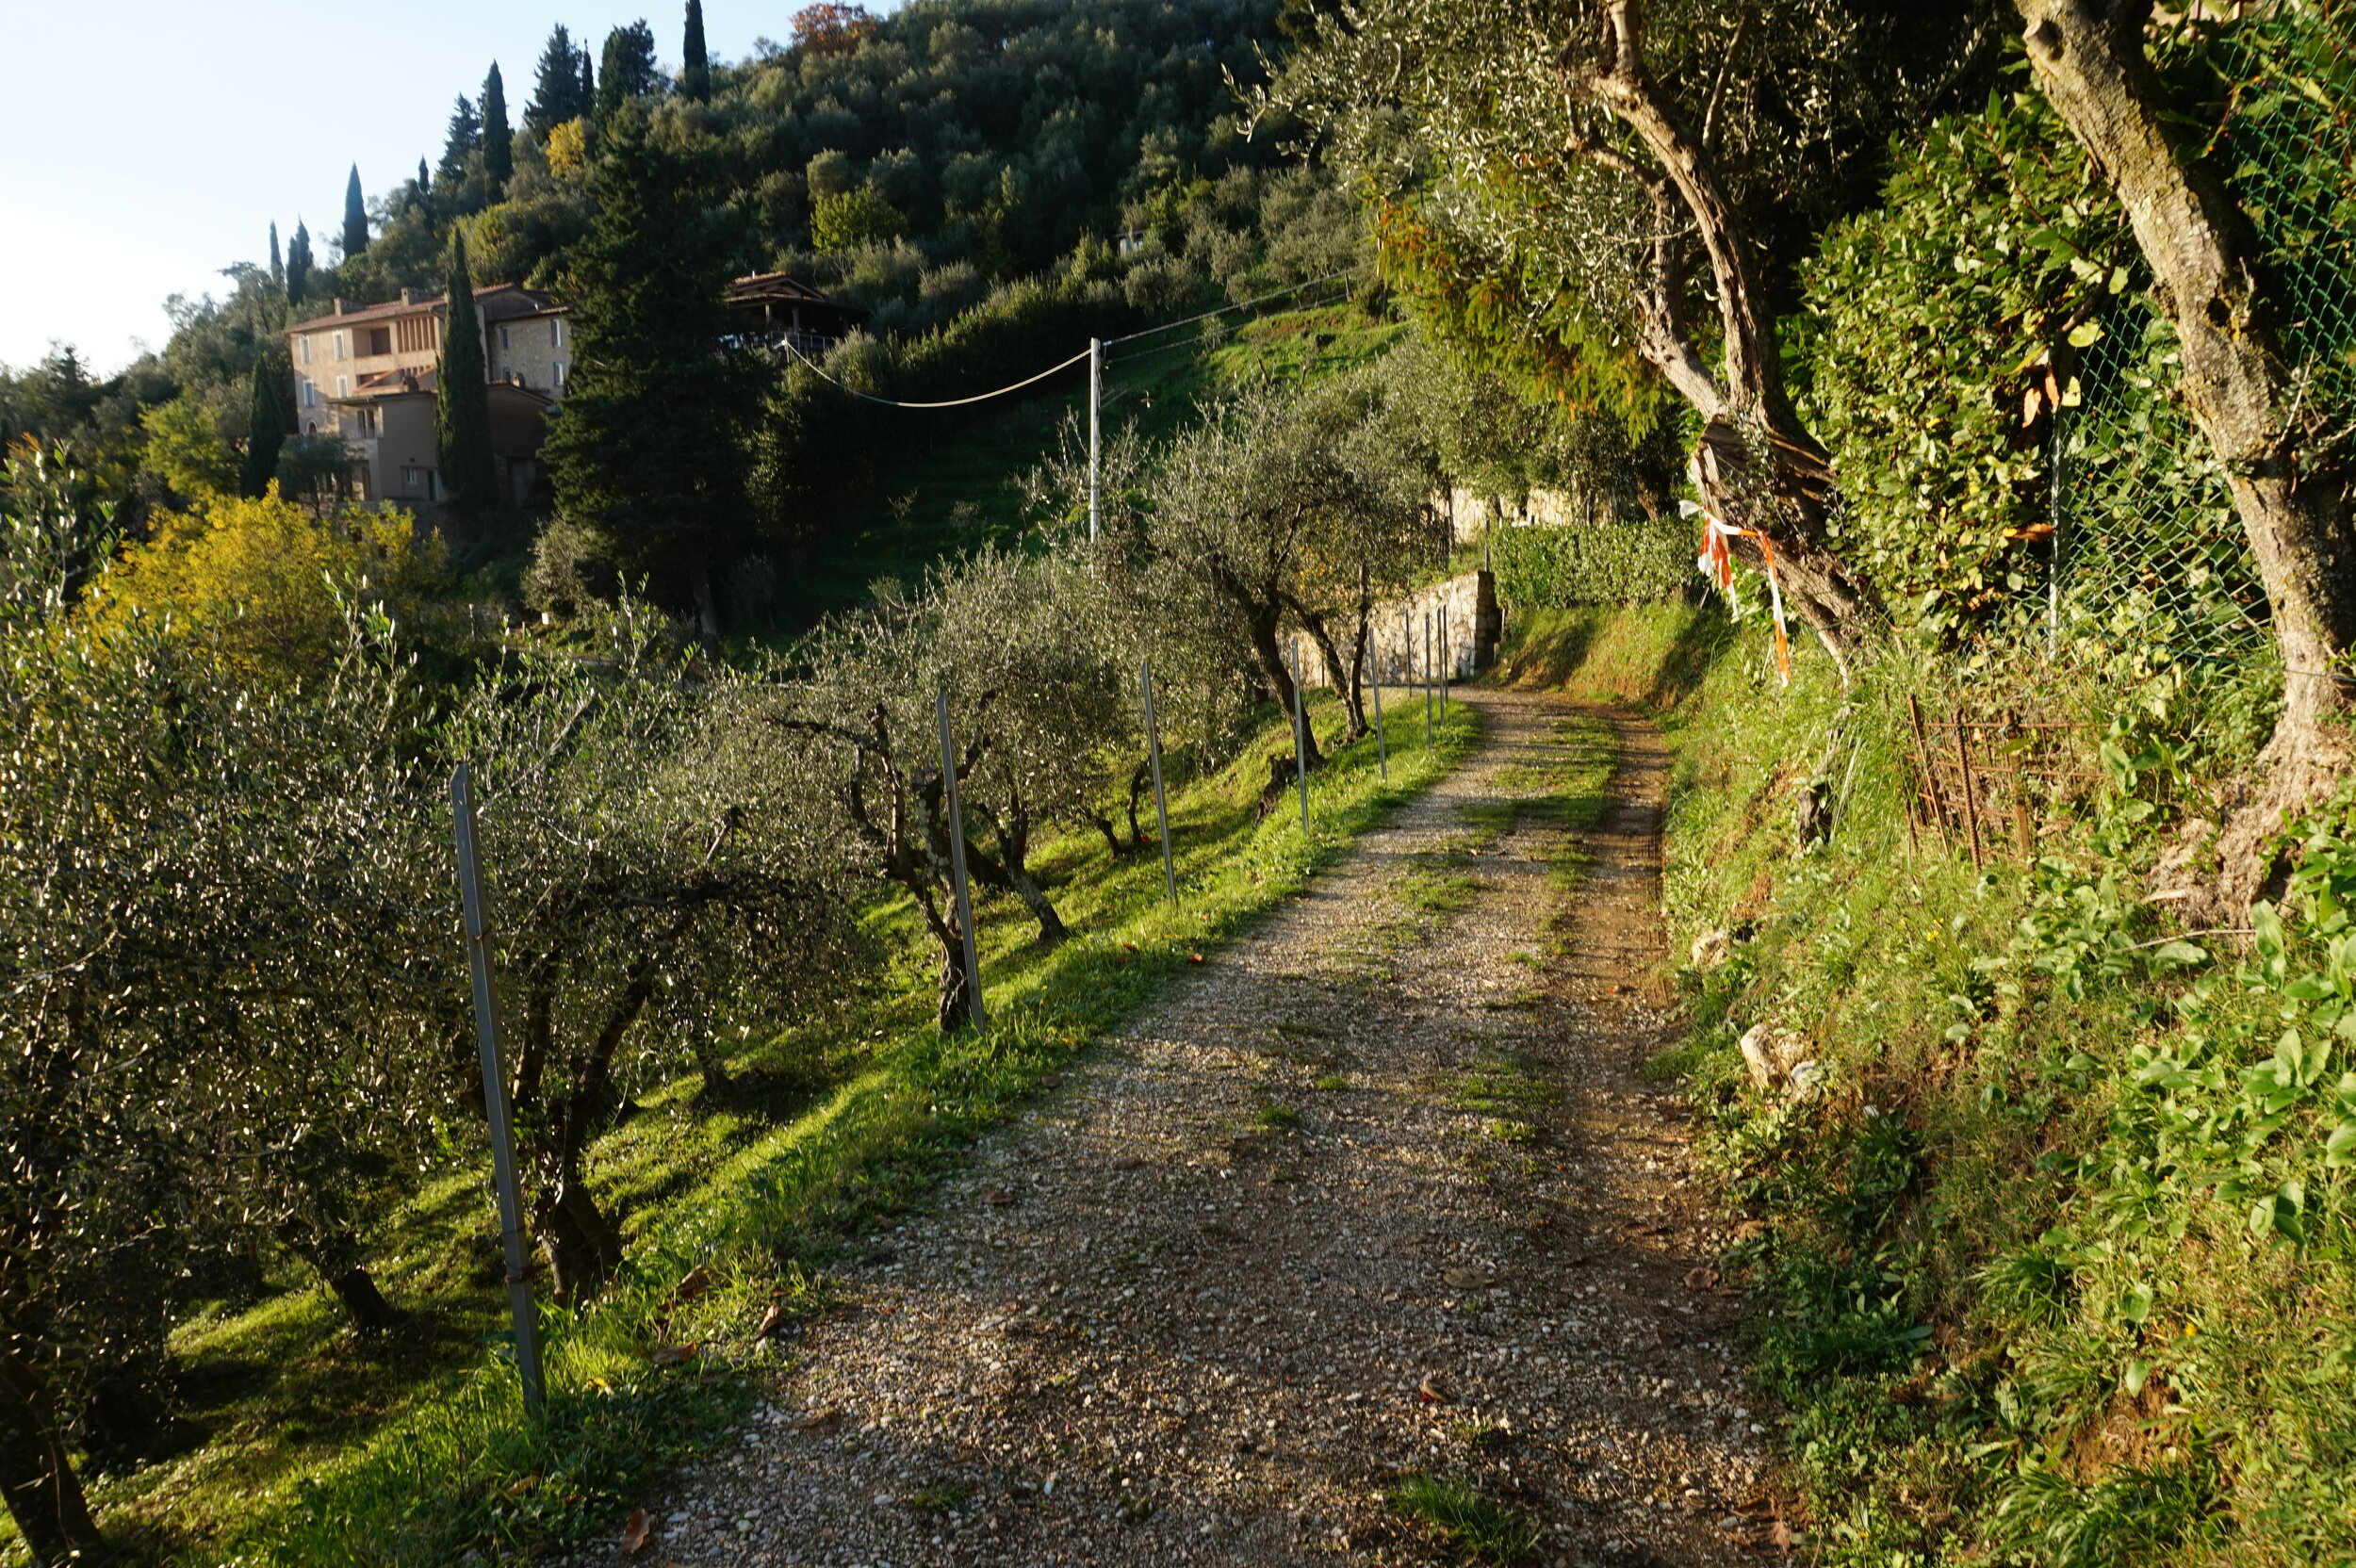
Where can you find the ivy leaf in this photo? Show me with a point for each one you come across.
(2086, 335)
(2181, 953)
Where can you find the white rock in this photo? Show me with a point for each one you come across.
(1710, 949)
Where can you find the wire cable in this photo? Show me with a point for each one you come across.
(1105, 343)
(953, 402)
(1240, 304)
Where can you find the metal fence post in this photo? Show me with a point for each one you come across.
(1153, 749)
(1382, 746)
(1096, 405)
(495, 1091)
(2053, 545)
(1445, 672)
(1300, 742)
(957, 868)
(1427, 678)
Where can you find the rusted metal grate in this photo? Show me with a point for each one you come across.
(1992, 785)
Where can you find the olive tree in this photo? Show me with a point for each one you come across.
(2283, 452)
(642, 831)
(1294, 506)
(1562, 164)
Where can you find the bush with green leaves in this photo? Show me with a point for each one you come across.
(1622, 561)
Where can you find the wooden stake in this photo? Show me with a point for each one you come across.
(1971, 802)
(1934, 808)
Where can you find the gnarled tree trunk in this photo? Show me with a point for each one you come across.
(2289, 486)
(1757, 467)
(44, 1496)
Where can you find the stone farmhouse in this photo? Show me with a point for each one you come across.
(366, 375)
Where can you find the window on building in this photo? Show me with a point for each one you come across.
(339, 345)
(380, 340)
(310, 397)
(302, 348)
(559, 378)
(366, 421)
(556, 332)
(503, 343)
(343, 387)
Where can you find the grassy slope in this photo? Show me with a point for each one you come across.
(2010, 1287)
(325, 1450)
(973, 464)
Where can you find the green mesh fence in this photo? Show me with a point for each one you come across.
(2149, 560)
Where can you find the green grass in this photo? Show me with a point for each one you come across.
(1480, 1527)
(956, 480)
(414, 1450)
(2039, 1277)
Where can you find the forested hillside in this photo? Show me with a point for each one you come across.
(1998, 359)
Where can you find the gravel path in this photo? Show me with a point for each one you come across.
(1375, 1192)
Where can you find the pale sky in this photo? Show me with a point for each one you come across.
(152, 143)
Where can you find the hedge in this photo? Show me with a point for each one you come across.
(1617, 563)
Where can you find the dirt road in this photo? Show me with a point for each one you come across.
(1375, 1195)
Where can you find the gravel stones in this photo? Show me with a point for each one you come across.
(1154, 1323)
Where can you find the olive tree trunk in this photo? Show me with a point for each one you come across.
(2289, 485)
(44, 1496)
(1757, 467)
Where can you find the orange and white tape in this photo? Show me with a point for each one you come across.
(1717, 564)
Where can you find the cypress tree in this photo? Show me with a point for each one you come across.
(646, 449)
(267, 414)
(425, 181)
(499, 151)
(299, 262)
(588, 99)
(462, 397)
(355, 217)
(277, 267)
(695, 78)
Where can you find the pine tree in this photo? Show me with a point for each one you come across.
(299, 262)
(644, 452)
(556, 93)
(462, 397)
(498, 147)
(628, 68)
(267, 413)
(355, 217)
(695, 78)
(463, 139)
(277, 267)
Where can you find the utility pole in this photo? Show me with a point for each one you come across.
(1096, 421)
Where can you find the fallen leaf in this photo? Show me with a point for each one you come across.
(634, 1534)
(997, 1198)
(1651, 1227)
(694, 1284)
(772, 1320)
(1469, 1279)
(1050, 1079)
(1194, 957)
(814, 1420)
(523, 1485)
(1128, 947)
(1128, 1162)
(1431, 1392)
(1780, 1534)
(671, 1355)
(1704, 1278)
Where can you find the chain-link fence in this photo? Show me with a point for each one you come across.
(2149, 558)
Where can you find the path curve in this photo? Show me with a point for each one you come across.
(1159, 1321)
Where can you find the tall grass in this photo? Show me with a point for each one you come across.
(2054, 1267)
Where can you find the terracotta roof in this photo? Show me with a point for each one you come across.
(497, 301)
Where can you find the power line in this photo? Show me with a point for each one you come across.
(953, 402)
(1240, 304)
(1017, 386)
